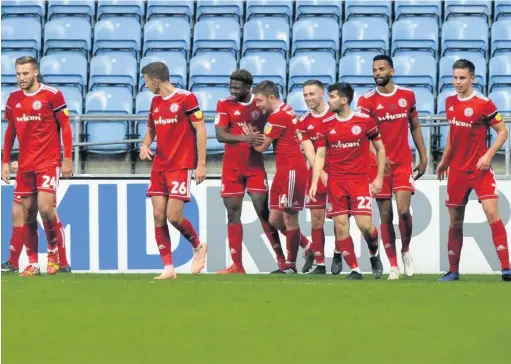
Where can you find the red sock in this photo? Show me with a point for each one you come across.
(372, 242)
(498, 232)
(61, 244)
(405, 228)
(388, 236)
(17, 238)
(51, 230)
(454, 245)
(304, 242)
(318, 245)
(163, 240)
(273, 236)
(32, 243)
(186, 229)
(348, 252)
(235, 236)
(337, 248)
(293, 238)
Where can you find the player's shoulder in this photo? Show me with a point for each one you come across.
(360, 115)
(451, 97)
(401, 90)
(49, 89)
(482, 98)
(304, 116)
(329, 119)
(226, 100)
(368, 94)
(15, 94)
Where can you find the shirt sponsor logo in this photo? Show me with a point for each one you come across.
(389, 116)
(460, 123)
(26, 118)
(161, 121)
(342, 145)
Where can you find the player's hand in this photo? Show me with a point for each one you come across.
(255, 139)
(145, 153)
(200, 174)
(483, 164)
(67, 167)
(6, 171)
(312, 191)
(376, 186)
(388, 166)
(420, 169)
(324, 178)
(14, 166)
(441, 171)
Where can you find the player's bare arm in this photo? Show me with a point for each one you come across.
(62, 117)
(502, 134)
(317, 168)
(418, 140)
(10, 136)
(223, 136)
(145, 148)
(376, 185)
(441, 171)
(202, 140)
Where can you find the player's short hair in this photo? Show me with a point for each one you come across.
(314, 83)
(344, 89)
(384, 57)
(158, 70)
(242, 76)
(465, 64)
(27, 60)
(266, 88)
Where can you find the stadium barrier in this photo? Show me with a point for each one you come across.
(430, 123)
(109, 229)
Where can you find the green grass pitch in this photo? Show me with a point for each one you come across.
(263, 319)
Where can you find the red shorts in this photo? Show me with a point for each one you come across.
(320, 195)
(349, 198)
(235, 182)
(460, 184)
(174, 184)
(288, 190)
(29, 183)
(400, 179)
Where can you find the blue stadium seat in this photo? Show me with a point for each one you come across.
(69, 33)
(296, 101)
(266, 66)
(502, 99)
(213, 146)
(176, 63)
(441, 110)
(318, 65)
(9, 67)
(501, 37)
(455, 8)
(57, 8)
(500, 72)
(405, 8)
(216, 34)
(142, 107)
(26, 8)
(231, 8)
(117, 34)
(425, 101)
(324, 8)
(359, 91)
(108, 8)
(5, 94)
(211, 69)
(279, 8)
(21, 34)
(364, 8)
(112, 100)
(465, 34)
(208, 98)
(419, 33)
(445, 70)
(316, 34)
(65, 69)
(266, 34)
(365, 34)
(184, 8)
(357, 68)
(167, 34)
(502, 9)
(113, 70)
(417, 70)
(74, 100)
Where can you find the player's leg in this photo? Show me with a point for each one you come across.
(64, 266)
(345, 242)
(293, 237)
(233, 204)
(162, 234)
(318, 240)
(388, 234)
(30, 206)
(18, 237)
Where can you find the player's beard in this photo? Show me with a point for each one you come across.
(28, 84)
(382, 81)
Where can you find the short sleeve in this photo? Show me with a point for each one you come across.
(302, 130)
(491, 114)
(363, 104)
(273, 131)
(221, 117)
(413, 106)
(150, 118)
(321, 135)
(192, 109)
(58, 103)
(372, 130)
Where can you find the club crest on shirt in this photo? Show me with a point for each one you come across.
(356, 130)
(469, 112)
(174, 107)
(402, 102)
(37, 105)
(255, 115)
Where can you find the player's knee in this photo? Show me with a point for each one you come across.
(174, 217)
(47, 211)
(317, 220)
(234, 215)
(18, 215)
(159, 217)
(404, 213)
(342, 230)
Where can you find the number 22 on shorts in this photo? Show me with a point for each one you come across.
(364, 203)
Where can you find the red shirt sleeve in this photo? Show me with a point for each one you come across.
(321, 133)
(301, 129)
(372, 131)
(221, 118)
(192, 108)
(413, 106)
(61, 113)
(364, 105)
(275, 128)
(491, 114)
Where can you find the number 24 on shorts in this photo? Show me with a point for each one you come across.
(49, 182)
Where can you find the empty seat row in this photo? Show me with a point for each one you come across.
(254, 8)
